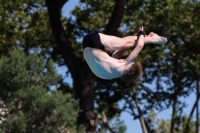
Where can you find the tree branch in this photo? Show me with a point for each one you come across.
(116, 17)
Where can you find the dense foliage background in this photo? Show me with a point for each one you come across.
(35, 37)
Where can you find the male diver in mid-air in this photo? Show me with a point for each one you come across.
(96, 45)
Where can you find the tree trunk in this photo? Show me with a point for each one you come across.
(82, 76)
(174, 107)
(173, 114)
(187, 127)
(142, 121)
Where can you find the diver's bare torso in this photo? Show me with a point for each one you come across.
(104, 66)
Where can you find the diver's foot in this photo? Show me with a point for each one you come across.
(156, 39)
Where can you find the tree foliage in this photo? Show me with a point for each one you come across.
(171, 71)
(25, 24)
(163, 126)
(27, 104)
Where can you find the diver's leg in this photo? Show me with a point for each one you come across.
(113, 43)
(152, 38)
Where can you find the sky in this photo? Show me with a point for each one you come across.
(133, 126)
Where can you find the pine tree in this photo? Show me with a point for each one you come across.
(27, 104)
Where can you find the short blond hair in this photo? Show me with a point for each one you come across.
(134, 73)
